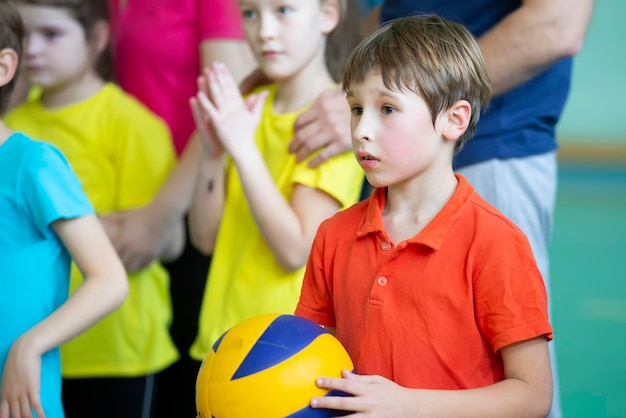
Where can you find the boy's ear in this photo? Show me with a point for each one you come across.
(331, 15)
(456, 119)
(8, 65)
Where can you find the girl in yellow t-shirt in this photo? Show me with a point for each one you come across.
(256, 208)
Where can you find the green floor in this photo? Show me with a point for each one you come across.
(588, 256)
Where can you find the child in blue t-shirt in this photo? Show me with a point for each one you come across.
(46, 222)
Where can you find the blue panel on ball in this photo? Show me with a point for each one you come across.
(216, 344)
(309, 412)
(283, 338)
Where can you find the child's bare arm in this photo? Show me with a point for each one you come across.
(526, 391)
(104, 289)
(287, 226)
(207, 204)
(207, 201)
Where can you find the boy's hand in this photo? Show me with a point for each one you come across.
(325, 125)
(372, 396)
(21, 382)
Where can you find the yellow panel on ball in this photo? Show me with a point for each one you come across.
(266, 367)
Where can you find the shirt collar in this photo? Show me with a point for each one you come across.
(437, 229)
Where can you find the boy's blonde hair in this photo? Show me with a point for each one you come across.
(11, 34)
(437, 59)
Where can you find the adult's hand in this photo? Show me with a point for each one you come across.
(143, 235)
(325, 126)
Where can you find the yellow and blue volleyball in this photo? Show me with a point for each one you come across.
(267, 366)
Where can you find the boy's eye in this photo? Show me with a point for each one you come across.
(386, 110)
(283, 10)
(356, 110)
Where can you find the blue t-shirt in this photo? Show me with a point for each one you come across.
(519, 123)
(37, 187)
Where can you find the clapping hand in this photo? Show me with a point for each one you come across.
(225, 120)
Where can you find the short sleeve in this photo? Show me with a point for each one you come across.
(50, 189)
(219, 19)
(341, 177)
(315, 302)
(510, 296)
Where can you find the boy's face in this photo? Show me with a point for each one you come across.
(393, 137)
(56, 51)
(284, 35)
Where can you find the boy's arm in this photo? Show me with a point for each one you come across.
(103, 290)
(526, 391)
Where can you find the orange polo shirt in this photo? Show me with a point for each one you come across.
(432, 311)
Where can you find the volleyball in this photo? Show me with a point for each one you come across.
(267, 366)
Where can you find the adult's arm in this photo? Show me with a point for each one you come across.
(523, 44)
(532, 38)
(235, 54)
(177, 192)
(143, 234)
(174, 198)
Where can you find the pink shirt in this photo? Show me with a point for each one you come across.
(157, 60)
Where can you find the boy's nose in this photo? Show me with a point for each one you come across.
(362, 130)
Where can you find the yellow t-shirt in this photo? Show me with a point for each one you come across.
(245, 279)
(122, 153)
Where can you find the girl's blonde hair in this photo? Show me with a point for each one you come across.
(342, 40)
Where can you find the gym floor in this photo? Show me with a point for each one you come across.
(588, 287)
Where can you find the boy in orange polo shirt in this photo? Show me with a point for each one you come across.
(433, 292)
